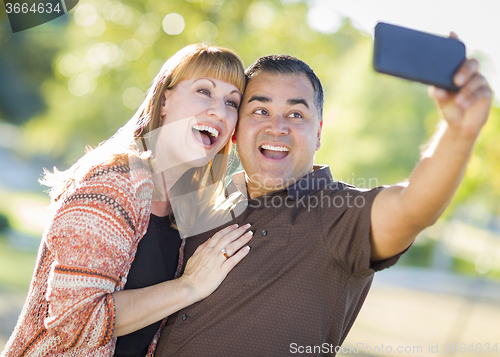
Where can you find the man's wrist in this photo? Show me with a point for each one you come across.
(461, 133)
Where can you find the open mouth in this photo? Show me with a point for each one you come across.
(206, 134)
(274, 152)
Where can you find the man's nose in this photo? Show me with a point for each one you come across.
(277, 126)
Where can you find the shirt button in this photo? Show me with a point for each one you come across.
(264, 232)
(184, 317)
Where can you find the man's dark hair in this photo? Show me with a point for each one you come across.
(286, 64)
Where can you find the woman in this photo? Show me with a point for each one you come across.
(80, 299)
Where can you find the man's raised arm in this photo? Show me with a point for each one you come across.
(401, 212)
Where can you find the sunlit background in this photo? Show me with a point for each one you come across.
(73, 81)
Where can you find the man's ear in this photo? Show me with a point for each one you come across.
(233, 138)
(320, 129)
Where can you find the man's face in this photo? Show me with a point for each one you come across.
(278, 131)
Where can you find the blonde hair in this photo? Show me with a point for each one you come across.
(190, 62)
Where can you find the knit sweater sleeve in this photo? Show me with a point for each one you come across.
(92, 236)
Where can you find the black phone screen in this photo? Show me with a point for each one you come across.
(417, 56)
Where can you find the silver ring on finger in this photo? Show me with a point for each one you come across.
(224, 253)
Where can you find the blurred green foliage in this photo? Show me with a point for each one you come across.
(482, 179)
(16, 267)
(21, 209)
(4, 223)
(92, 68)
(419, 255)
(465, 267)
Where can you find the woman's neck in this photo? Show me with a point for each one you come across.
(164, 181)
(161, 208)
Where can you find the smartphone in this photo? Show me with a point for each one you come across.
(417, 56)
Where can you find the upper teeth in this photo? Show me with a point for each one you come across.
(211, 130)
(275, 148)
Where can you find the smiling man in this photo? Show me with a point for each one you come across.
(317, 242)
(279, 132)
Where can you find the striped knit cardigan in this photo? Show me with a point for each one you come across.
(85, 256)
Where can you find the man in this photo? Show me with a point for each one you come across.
(317, 243)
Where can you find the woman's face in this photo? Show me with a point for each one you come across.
(198, 118)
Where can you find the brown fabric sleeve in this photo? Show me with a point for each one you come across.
(347, 230)
(347, 226)
(389, 262)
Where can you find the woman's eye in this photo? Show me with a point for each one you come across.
(295, 115)
(261, 112)
(204, 91)
(232, 103)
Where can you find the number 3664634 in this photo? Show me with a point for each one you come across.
(24, 8)
(473, 347)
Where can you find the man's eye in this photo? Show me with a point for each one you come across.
(261, 112)
(232, 103)
(295, 115)
(204, 91)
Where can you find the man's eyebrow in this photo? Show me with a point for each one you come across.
(295, 101)
(260, 98)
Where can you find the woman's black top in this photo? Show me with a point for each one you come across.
(155, 261)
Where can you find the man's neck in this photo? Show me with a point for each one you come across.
(257, 189)
(254, 192)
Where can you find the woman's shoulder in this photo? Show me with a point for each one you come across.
(126, 171)
(120, 190)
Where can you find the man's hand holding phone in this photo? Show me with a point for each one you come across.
(463, 96)
(460, 91)
(469, 108)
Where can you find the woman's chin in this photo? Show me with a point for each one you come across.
(199, 162)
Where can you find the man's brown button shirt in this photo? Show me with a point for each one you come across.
(302, 284)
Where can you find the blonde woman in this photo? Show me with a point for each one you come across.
(106, 263)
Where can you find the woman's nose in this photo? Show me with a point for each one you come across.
(218, 110)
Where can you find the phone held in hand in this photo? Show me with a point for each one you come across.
(417, 56)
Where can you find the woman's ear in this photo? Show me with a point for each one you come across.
(164, 102)
(233, 138)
